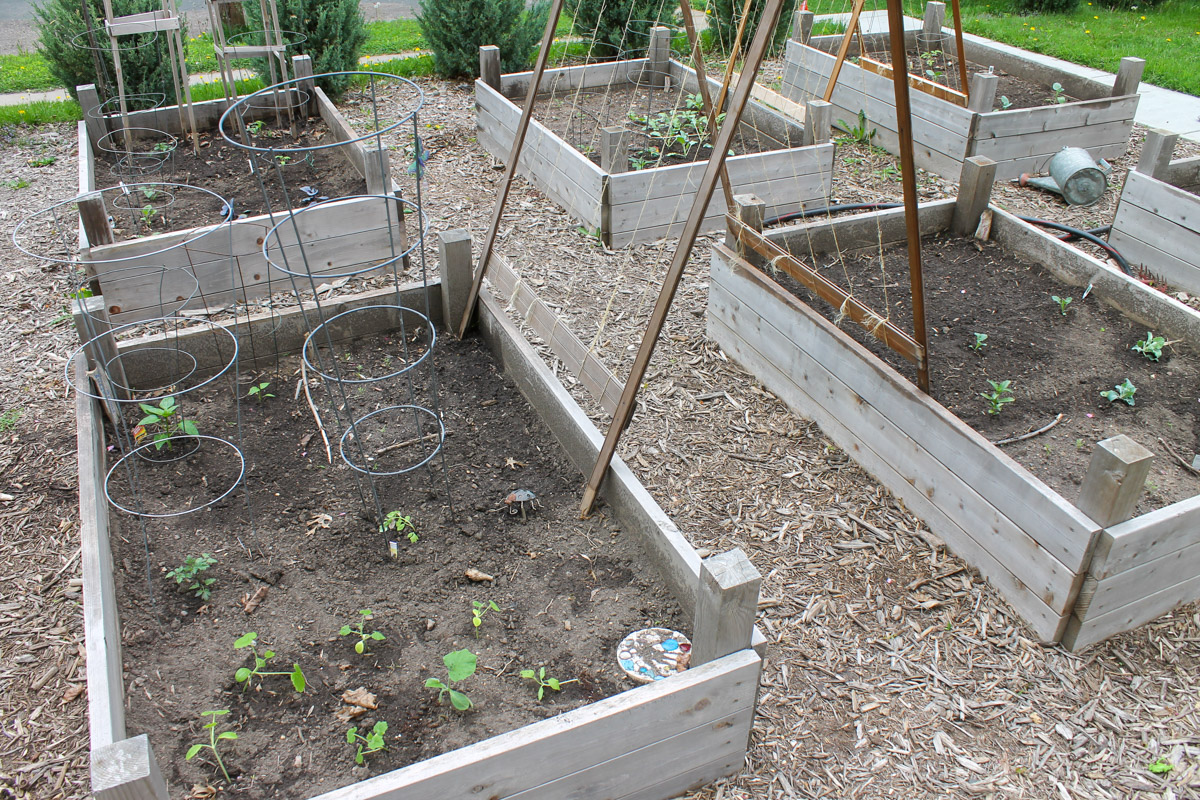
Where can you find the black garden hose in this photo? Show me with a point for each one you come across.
(1072, 233)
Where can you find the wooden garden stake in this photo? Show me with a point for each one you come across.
(1115, 478)
(710, 110)
(683, 250)
(962, 52)
(726, 602)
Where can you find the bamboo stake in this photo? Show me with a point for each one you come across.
(687, 240)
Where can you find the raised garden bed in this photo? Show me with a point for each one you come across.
(1075, 577)
(1157, 224)
(628, 206)
(357, 224)
(652, 742)
(945, 132)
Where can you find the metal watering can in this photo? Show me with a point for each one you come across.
(1073, 174)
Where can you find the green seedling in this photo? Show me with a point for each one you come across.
(591, 233)
(165, 421)
(18, 183)
(45, 161)
(401, 524)
(213, 738)
(148, 213)
(1063, 302)
(256, 126)
(1160, 767)
(163, 147)
(479, 610)
(360, 646)
(543, 682)
(999, 396)
(460, 665)
(980, 341)
(149, 193)
(188, 575)
(1060, 95)
(259, 391)
(1122, 391)
(930, 58)
(283, 161)
(1005, 103)
(371, 743)
(8, 420)
(247, 675)
(1151, 347)
(861, 133)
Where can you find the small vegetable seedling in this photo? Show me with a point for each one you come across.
(1005, 103)
(360, 646)
(1060, 95)
(213, 738)
(259, 391)
(479, 610)
(1123, 391)
(1000, 395)
(246, 675)
(980, 341)
(163, 416)
(1151, 347)
(543, 682)
(189, 573)
(371, 743)
(401, 524)
(460, 665)
(1063, 302)
(1161, 767)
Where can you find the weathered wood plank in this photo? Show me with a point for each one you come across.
(341, 131)
(586, 76)
(1048, 143)
(127, 770)
(87, 161)
(698, 776)
(576, 200)
(1059, 117)
(870, 230)
(677, 179)
(1149, 537)
(1129, 587)
(1046, 622)
(1184, 172)
(1115, 480)
(1080, 634)
(726, 602)
(1167, 202)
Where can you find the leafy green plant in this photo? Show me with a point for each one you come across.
(401, 524)
(1063, 302)
(163, 147)
(149, 192)
(259, 391)
(543, 682)
(188, 575)
(1160, 767)
(358, 630)
(930, 59)
(1123, 391)
(256, 126)
(371, 743)
(1151, 347)
(999, 396)
(460, 665)
(980, 341)
(164, 421)
(479, 610)
(282, 160)
(213, 739)
(1059, 94)
(862, 133)
(44, 161)
(456, 29)
(8, 420)
(1005, 103)
(247, 675)
(18, 183)
(148, 214)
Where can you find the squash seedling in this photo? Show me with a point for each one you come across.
(1063, 302)
(1000, 395)
(1123, 391)
(166, 418)
(401, 524)
(479, 610)
(360, 646)
(189, 573)
(980, 341)
(371, 743)
(460, 665)
(1151, 347)
(246, 675)
(543, 682)
(213, 738)
(259, 391)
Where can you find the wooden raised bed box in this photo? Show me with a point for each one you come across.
(1072, 577)
(639, 206)
(330, 231)
(945, 133)
(651, 742)
(1157, 224)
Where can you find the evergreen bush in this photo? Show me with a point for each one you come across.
(1047, 6)
(335, 33)
(619, 28)
(456, 29)
(724, 16)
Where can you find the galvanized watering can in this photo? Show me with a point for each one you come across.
(1073, 174)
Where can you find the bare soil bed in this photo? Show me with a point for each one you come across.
(1058, 363)
(567, 590)
(941, 66)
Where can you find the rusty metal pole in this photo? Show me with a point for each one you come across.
(687, 240)
(908, 174)
(510, 169)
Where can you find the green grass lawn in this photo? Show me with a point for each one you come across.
(1166, 34)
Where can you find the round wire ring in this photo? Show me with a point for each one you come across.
(245, 102)
(291, 39)
(192, 368)
(352, 381)
(298, 98)
(103, 32)
(441, 438)
(152, 102)
(107, 144)
(191, 236)
(293, 219)
(237, 481)
(125, 202)
(212, 326)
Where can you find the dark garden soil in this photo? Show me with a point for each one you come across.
(1057, 364)
(567, 590)
(579, 116)
(941, 66)
(223, 169)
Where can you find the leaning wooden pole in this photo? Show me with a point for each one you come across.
(908, 175)
(510, 169)
(960, 49)
(710, 110)
(687, 240)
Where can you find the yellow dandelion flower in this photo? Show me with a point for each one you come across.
(1168, 38)
(1033, 28)
(1087, 31)
(1094, 17)
(1143, 17)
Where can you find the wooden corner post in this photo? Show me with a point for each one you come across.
(89, 104)
(750, 210)
(454, 263)
(614, 150)
(127, 770)
(658, 56)
(974, 193)
(1115, 478)
(726, 602)
(802, 25)
(1129, 76)
(302, 68)
(489, 65)
(982, 94)
(818, 122)
(94, 216)
(1155, 160)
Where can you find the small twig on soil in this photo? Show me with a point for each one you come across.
(405, 443)
(1031, 434)
(917, 584)
(313, 408)
(1182, 461)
